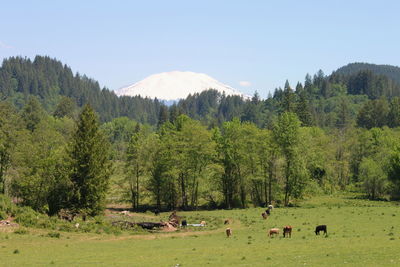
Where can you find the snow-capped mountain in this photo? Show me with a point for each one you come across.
(175, 85)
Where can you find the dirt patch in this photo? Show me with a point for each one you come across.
(113, 213)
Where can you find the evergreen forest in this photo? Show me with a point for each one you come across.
(67, 143)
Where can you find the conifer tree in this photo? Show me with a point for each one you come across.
(303, 109)
(288, 100)
(163, 115)
(90, 166)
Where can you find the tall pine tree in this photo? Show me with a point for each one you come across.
(90, 165)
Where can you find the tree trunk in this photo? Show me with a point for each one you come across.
(271, 173)
(242, 189)
(183, 190)
(2, 180)
(137, 186)
(287, 186)
(133, 200)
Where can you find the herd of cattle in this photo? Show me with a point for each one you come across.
(287, 230)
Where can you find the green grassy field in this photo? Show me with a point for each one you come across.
(361, 233)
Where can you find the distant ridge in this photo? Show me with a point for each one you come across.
(175, 85)
(392, 72)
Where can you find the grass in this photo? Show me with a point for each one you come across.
(361, 233)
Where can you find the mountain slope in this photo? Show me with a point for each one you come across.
(392, 72)
(49, 79)
(175, 85)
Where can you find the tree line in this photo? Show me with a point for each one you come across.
(50, 162)
(362, 95)
(208, 150)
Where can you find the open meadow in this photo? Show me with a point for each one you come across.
(360, 233)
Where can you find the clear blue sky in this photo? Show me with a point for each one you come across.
(261, 42)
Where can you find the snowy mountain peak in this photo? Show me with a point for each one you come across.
(175, 85)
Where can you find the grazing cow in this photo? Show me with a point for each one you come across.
(273, 231)
(264, 215)
(320, 228)
(228, 232)
(287, 230)
(226, 222)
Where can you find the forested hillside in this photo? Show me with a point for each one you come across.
(392, 72)
(358, 94)
(48, 79)
(207, 150)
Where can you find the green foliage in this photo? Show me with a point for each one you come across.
(10, 127)
(32, 113)
(373, 178)
(54, 234)
(48, 164)
(139, 154)
(394, 172)
(374, 113)
(20, 231)
(286, 133)
(40, 157)
(49, 80)
(89, 164)
(66, 107)
(7, 208)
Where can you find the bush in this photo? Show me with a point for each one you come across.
(21, 231)
(3, 215)
(54, 235)
(27, 216)
(7, 208)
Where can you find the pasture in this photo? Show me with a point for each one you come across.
(360, 233)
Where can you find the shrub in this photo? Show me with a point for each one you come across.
(3, 215)
(26, 216)
(21, 231)
(54, 235)
(7, 208)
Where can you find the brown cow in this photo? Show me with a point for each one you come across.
(287, 230)
(228, 232)
(273, 231)
(264, 215)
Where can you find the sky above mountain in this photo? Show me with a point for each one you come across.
(249, 45)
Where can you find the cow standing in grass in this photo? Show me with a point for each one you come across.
(273, 231)
(287, 231)
(321, 228)
(228, 232)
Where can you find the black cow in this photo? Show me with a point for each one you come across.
(156, 212)
(320, 228)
